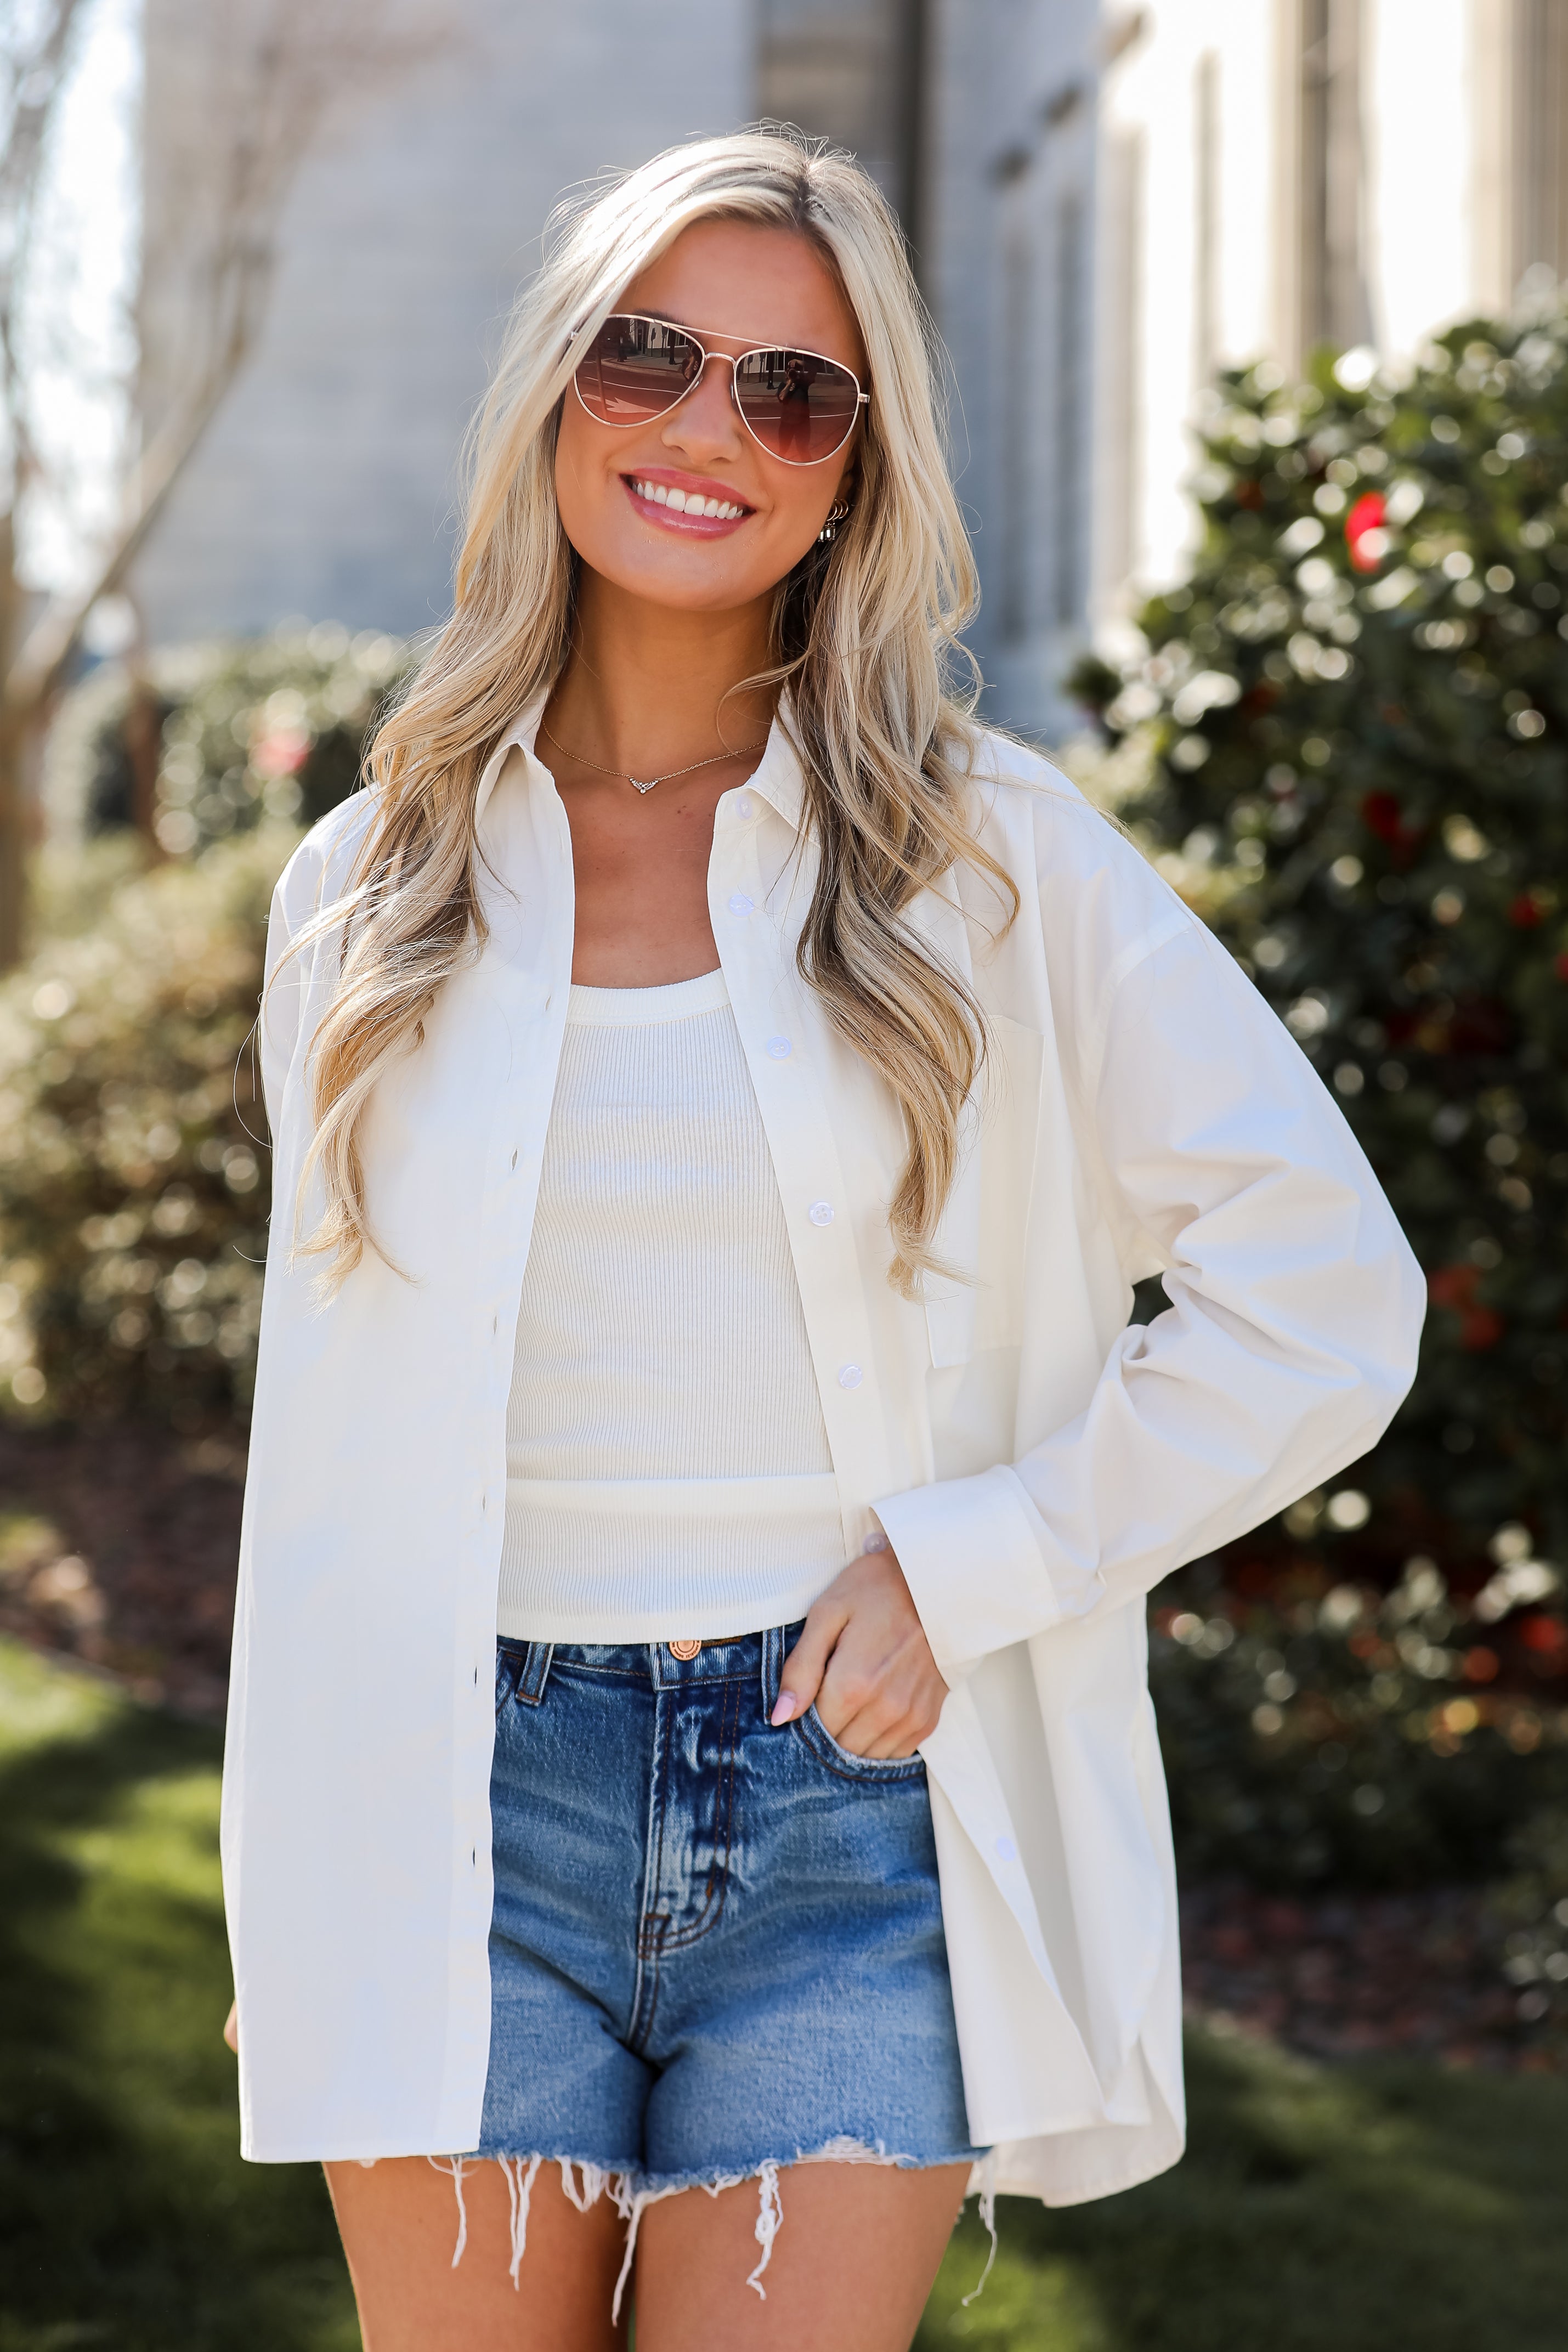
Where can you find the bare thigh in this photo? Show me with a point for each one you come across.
(849, 2270)
(398, 2226)
(850, 2267)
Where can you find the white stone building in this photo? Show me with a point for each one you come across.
(1277, 175)
(1105, 204)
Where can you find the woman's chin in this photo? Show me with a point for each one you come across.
(692, 577)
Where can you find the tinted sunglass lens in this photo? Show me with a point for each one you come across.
(799, 406)
(636, 369)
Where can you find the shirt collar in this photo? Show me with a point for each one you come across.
(777, 776)
(519, 736)
(778, 773)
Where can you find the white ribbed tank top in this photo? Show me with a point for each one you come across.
(668, 1471)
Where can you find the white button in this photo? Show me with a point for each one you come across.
(744, 806)
(821, 1212)
(779, 1049)
(850, 1376)
(1006, 1850)
(739, 904)
(876, 1541)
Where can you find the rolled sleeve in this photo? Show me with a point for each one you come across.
(1290, 1341)
(939, 1533)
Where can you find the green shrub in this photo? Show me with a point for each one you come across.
(1329, 1733)
(268, 728)
(1356, 708)
(1529, 1919)
(133, 1183)
(134, 1191)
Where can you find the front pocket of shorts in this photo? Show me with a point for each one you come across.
(816, 1736)
(508, 1670)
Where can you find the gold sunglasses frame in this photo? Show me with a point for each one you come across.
(754, 350)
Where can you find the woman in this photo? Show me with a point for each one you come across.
(722, 1100)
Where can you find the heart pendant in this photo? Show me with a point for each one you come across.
(639, 787)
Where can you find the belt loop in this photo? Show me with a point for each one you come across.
(772, 1668)
(535, 1673)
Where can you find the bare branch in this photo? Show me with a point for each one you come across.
(257, 80)
(251, 83)
(33, 63)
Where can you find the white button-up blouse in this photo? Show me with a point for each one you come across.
(1037, 1463)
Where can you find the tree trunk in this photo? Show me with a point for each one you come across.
(14, 763)
(15, 836)
(142, 734)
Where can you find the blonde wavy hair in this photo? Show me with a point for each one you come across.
(866, 643)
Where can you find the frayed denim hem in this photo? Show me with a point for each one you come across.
(585, 2183)
(983, 2185)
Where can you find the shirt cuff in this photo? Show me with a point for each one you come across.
(981, 1568)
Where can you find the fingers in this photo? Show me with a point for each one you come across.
(863, 1662)
(231, 2027)
(888, 1719)
(806, 1661)
(866, 1735)
(881, 1693)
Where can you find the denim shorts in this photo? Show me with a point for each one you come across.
(716, 1948)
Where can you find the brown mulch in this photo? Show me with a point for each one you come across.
(1342, 1975)
(118, 1547)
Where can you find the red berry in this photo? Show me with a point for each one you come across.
(1380, 814)
(1365, 516)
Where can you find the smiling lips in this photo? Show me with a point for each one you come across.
(690, 508)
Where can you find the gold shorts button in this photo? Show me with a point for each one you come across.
(685, 1649)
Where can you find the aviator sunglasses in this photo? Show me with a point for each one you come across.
(796, 405)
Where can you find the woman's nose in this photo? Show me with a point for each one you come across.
(706, 415)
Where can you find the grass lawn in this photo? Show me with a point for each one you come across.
(1369, 2209)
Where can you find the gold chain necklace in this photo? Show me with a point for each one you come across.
(636, 783)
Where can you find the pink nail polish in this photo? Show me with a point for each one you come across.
(784, 1712)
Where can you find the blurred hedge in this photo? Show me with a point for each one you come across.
(133, 1175)
(1529, 1919)
(134, 1191)
(251, 730)
(1320, 1732)
(1354, 715)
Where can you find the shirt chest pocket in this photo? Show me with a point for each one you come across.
(984, 1224)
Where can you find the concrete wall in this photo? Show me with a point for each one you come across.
(848, 70)
(326, 487)
(1012, 94)
(1107, 203)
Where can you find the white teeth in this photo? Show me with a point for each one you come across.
(658, 493)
